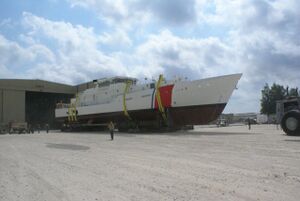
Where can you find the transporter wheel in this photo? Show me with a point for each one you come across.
(127, 126)
(122, 127)
(290, 123)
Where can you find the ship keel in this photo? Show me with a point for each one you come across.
(177, 116)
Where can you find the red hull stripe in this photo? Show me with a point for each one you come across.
(165, 95)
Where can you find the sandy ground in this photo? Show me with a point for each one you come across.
(230, 163)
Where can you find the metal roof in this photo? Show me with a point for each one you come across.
(36, 85)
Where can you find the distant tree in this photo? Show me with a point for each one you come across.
(265, 100)
(270, 96)
(294, 92)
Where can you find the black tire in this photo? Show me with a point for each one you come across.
(290, 123)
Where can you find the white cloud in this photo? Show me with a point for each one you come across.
(6, 22)
(175, 12)
(127, 13)
(118, 38)
(12, 55)
(191, 57)
(260, 39)
(68, 36)
(77, 51)
(111, 12)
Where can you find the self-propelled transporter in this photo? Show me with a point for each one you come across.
(163, 103)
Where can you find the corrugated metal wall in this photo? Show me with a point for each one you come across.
(12, 105)
(1, 105)
(13, 95)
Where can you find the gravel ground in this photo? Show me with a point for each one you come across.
(229, 163)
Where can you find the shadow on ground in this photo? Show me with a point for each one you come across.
(214, 133)
(290, 140)
(175, 133)
(67, 146)
(184, 133)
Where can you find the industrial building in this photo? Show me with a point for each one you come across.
(34, 101)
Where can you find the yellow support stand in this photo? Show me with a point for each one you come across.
(158, 98)
(72, 116)
(69, 114)
(74, 108)
(128, 84)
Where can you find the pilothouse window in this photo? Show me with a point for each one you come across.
(108, 82)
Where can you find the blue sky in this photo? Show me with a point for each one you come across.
(72, 41)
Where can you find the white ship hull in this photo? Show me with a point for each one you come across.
(185, 102)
